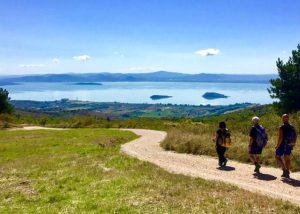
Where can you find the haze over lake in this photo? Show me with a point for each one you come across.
(140, 92)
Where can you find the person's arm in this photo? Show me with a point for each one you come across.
(251, 138)
(267, 139)
(250, 143)
(216, 137)
(280, 138)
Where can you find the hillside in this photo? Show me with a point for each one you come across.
(195, 135)
(160, 76)
(83, 171)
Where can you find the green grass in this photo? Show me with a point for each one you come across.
(83, 171)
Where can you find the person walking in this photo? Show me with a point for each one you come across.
(257, 141)
(287, 138)
(222, 140)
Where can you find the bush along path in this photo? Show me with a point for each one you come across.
(268, 182)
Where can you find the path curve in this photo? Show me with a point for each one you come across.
(147, 148)
(269, 183)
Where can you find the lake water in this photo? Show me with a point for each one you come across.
(140, 92)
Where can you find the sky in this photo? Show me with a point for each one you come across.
(130, 36)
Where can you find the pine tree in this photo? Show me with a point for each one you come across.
(286, 88)
(5, 105)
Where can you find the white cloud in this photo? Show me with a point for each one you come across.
(55, 60)
(284, 52)
(31, 65)
(208, 52)
(82, 58)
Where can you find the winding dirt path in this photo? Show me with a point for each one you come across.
(269, 182)
(28, 128)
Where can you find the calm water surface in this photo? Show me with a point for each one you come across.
(140, 92)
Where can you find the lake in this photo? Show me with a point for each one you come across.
(140, 92)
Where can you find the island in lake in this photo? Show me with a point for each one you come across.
(213, 95)
(88, 83)
(159, 97)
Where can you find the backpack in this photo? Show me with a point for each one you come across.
(291, 138)
(224, 140)
(261, 137)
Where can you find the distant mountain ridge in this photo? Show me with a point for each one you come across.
(159, 76)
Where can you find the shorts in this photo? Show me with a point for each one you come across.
(255, 150)
(284, 150)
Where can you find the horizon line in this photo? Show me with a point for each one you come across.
(150, 72)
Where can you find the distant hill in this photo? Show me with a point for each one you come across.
(87, 83)
(159, 76)
(7, 83)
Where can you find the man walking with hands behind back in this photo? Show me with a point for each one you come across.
(287, 138)
(257, 141)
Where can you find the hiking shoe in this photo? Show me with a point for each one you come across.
(286, 174)
(220, 163)
(257, 167)
(225, 162)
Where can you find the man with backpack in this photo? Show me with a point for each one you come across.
(287, 138)
(257, 141)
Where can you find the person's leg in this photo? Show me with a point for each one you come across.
(252, 154)
(287, 161)
(279, 152)
(256, 163)
(256, 158)
(252, 158)
(280, 162)
(224, 160)
(219, 152)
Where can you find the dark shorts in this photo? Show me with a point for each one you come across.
(284, 150)
(255, 150)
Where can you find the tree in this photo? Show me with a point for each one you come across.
(5, 106)
(286, 88)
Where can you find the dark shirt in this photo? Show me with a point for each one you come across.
(220, 133)
(286, 127)
(253, 134)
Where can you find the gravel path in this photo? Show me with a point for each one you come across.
(28, 128)
(269, 182)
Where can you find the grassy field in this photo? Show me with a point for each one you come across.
(195, 136)
(83, 171)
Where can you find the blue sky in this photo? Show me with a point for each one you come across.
(190, 36)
